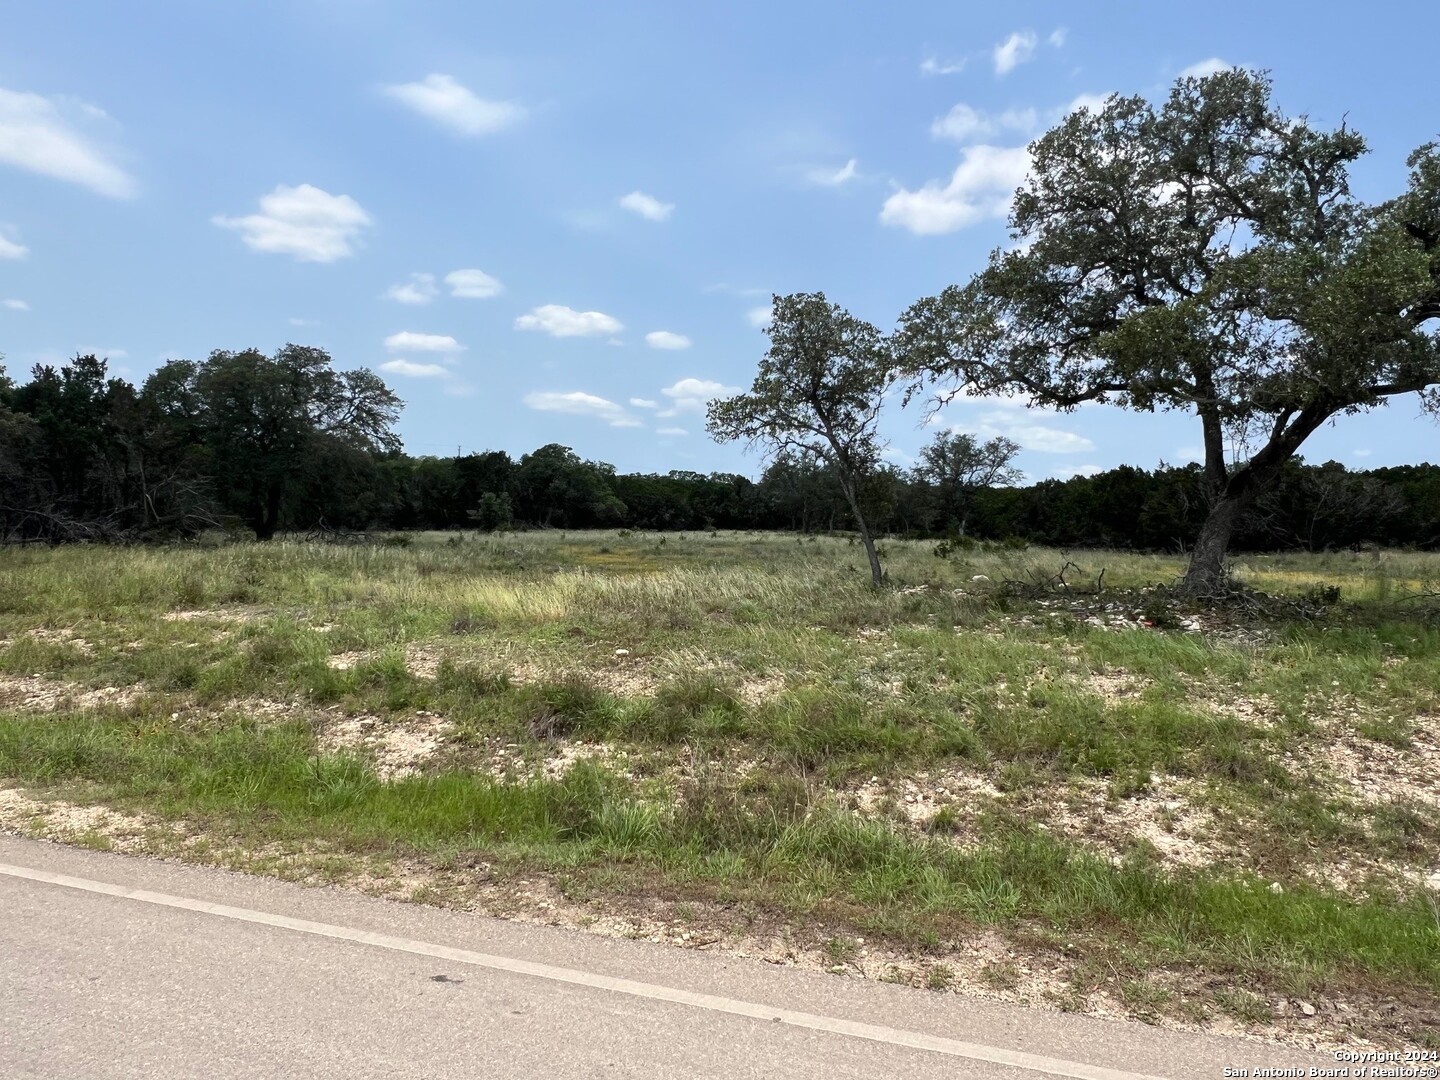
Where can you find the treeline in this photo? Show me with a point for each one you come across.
(284, 442)
(1314, 507)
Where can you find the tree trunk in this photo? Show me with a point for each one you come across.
(270, 522)
(1206, 573)
(877, 575)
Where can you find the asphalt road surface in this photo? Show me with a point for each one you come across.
(118, 967)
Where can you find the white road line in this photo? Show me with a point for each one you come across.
(915, 1040)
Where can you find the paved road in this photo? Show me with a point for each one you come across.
(115, 967)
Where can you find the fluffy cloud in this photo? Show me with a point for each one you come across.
(1040, 438)
(557, 320)
(647, 206)
(1068, 472)
(1202, 68)
(644, 403)
(409, 341)
(579, 403)
(420, 289)
(414, 370)
(453, 105)
(932, 66)
(671, 431)
(833, 177)
(982, 187)
(37, 135)
(760, 317)
(473, 284)
(692, 395)
(303, 221)
(664, 339)
(965, 122)
(1057, 37)
(1093, 102)
(15, 305)
(1014, 51)
(12, 249)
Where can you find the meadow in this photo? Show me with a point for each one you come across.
(982, 778)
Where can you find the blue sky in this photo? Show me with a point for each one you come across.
(562, 222)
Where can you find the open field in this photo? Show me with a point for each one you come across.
(1092, 802)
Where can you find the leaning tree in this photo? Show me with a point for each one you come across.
(1204, 255)
(818, 393)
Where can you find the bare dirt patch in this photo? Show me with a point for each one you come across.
(398, 747)
(37, 693)
(233, 614)
(1115, 686)
(1375, 772)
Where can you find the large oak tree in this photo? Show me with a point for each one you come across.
(1204, 255)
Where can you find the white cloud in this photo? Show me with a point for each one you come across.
(473, 284)
(1362, 453)
(644, 403)
(1184, 455)
(964, 122)
(12, 249)
(671, 431)
(982, 187)
(664, 339)
(15, 305)
(418, 371)
(1069, 472)
(1057, 37)
(302, 322)
(36, 135)
(410, 341)
(1031, 426)
(1014, 51)
(579, 403)
(833, 177)
(760, 317)
(420, 289)
(1041, 438)
(1094, 102)
(451, 104)
(931, 66)
(647, 206)
(1202, 68)
(557, 320)
(692, 395)
(303, 221)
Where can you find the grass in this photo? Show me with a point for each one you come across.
(749, 723)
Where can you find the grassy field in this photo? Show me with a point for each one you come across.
(1077, 795)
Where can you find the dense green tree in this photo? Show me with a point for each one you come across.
(493, 512)
(1205, 255)
(819, 391)
(959, 466)
(268, 422)
(555, 487)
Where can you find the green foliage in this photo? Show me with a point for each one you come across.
(1131, 288)
(818, 394)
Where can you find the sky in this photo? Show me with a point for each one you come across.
(564, 222)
